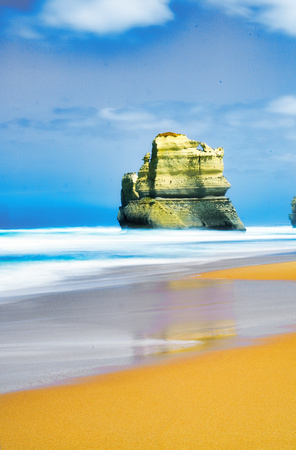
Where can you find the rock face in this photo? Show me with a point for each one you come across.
(292, 216)
(181, 185)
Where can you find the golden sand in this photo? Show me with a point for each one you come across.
(278, 271)
(242, 398)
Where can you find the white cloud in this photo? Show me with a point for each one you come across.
(126, 115)
(284, 105)
(105, 16)
(277, 15)
(286, 157)
(137, 119)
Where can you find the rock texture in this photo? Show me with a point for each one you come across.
(292, 216)
(180, 185)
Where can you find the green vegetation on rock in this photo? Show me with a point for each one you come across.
(292, 216)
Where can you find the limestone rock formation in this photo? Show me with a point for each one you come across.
(180, 185)
(292, 216)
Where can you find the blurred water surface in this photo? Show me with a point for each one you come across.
(82, 301)
(53, 259)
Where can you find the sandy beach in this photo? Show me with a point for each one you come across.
(238, 392)
(241, 398)
(147, 225)
(276, 271)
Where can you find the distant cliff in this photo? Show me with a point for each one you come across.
(292, 216)
(180, 185)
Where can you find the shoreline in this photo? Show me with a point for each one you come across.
(145, 273)
(240, 396)
(51, 338)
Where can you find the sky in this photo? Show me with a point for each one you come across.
(86, 85)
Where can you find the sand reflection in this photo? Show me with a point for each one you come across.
(198, 312)
(50, 338)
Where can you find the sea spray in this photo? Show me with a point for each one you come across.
(53, 259)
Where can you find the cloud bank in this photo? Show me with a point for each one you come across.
(278, 116)
(277, 15)
(105, 16)
(284, 105)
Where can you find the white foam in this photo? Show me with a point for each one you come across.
(49, 259)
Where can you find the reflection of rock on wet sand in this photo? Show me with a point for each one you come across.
(198, 311)
(201, 330)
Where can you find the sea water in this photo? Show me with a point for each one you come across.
(53, 259)
(49, 338)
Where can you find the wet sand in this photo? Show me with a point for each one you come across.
(242, 397)
(48, 338)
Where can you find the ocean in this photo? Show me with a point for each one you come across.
(83, 301)
(57, 259)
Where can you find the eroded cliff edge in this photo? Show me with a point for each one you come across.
(180, 185)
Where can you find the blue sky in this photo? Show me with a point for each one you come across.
(87, 84)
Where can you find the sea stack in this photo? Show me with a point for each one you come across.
(180, 185)
(292, 216)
